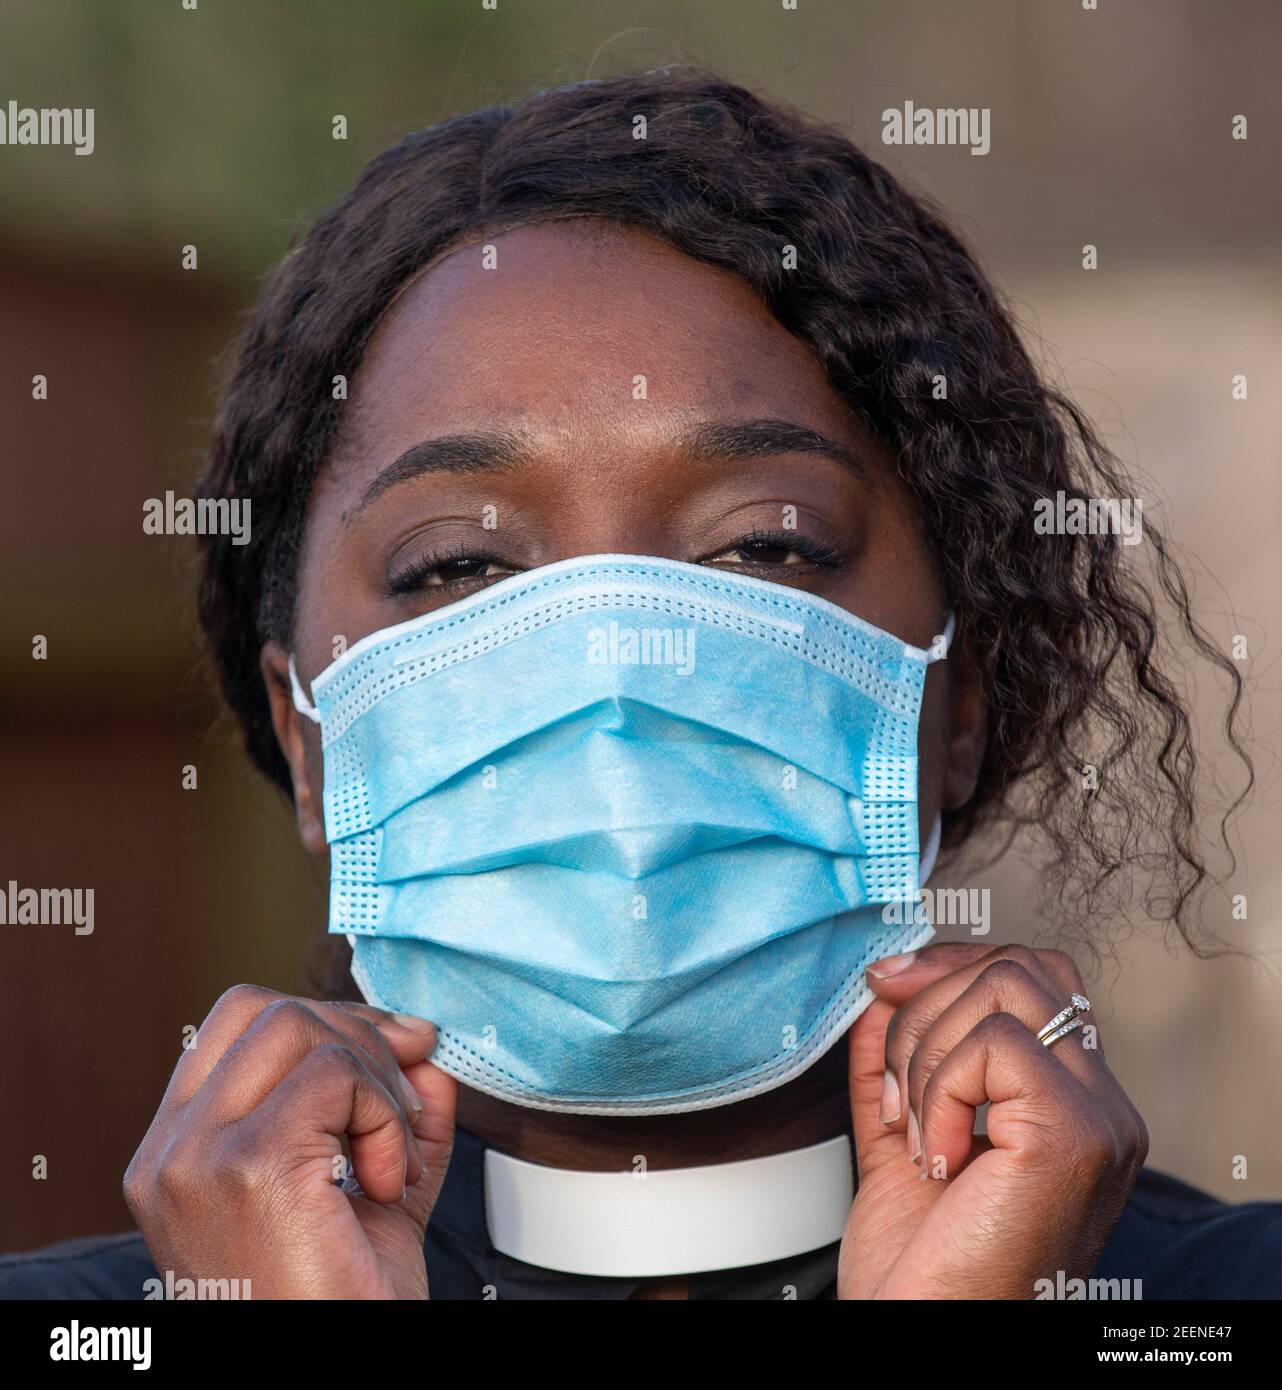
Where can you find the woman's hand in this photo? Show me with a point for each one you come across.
(236, 1178)
(980, 1218)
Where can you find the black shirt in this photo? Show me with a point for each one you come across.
(1179, 1242)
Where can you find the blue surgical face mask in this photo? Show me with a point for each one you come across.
(624, 828)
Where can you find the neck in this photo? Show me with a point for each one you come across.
(811, 1108)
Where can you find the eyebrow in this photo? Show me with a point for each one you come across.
(755, 439)
(490, 451)
(497, 451)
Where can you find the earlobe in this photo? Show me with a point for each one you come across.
(968, 728)
(291, 735)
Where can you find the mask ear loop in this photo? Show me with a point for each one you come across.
(926, 865)
(301, 703)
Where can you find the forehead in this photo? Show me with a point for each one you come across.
(574, 330)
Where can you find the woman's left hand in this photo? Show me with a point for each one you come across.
(981, 1217)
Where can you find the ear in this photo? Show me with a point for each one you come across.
(299, 741)
(967, 727)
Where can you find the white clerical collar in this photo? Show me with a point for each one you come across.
(669, 1221)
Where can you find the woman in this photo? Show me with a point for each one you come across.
(655, 372)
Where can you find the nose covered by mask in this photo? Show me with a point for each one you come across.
(624, 828)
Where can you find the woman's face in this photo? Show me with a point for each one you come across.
(597, 391)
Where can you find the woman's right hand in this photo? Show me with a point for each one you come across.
(236, 1178)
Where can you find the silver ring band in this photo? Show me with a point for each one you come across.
(1065, 1021)
(1063, 1032)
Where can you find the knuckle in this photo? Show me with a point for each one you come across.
(1137, 1136)
(928, 1091)
(238, 1164)
(921, 1065)
(334, 1060)
(956, 954)
(1000, 1028)
(1006, 977)
(371, 1038)
(893, 1030)
(1019, 954)
(175, 1178)
(136, 1184)
(288, 1013)
(240, 1000)
(900, 1032)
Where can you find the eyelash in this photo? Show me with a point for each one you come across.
(822, 556)
(415, 573)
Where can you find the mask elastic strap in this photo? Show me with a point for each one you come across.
(301, 703)
(931, 852)
(950, 628)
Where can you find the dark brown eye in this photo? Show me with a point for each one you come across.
(773, 554)
(465, 568)
(443, 571)
(768, 550)
(767, 553)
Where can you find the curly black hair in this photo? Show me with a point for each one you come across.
(1075, 653)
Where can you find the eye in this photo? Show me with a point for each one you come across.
(760, 553)
(445, 572)
(467, 567)
(774, 551)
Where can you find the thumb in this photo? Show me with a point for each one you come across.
(434, 1129)
(874, 1141)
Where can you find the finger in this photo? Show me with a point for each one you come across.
(433, 1128)
(274, 1044)
(867, 1073)
(238, 1007)
(1003, 987)
(332, 1093)
(1036, 1107)
(234, 1010)
(899, 978)
(916, 1014)
(395, 1044)
(410, 1039)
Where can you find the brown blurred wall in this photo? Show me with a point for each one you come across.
(93, 739)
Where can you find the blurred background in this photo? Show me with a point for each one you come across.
(1110, 126)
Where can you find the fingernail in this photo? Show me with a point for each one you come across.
(891, 965)
(411, 1095)
(422, 1026)
(914, 1138)
(889, 1099)
(419, 1025)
